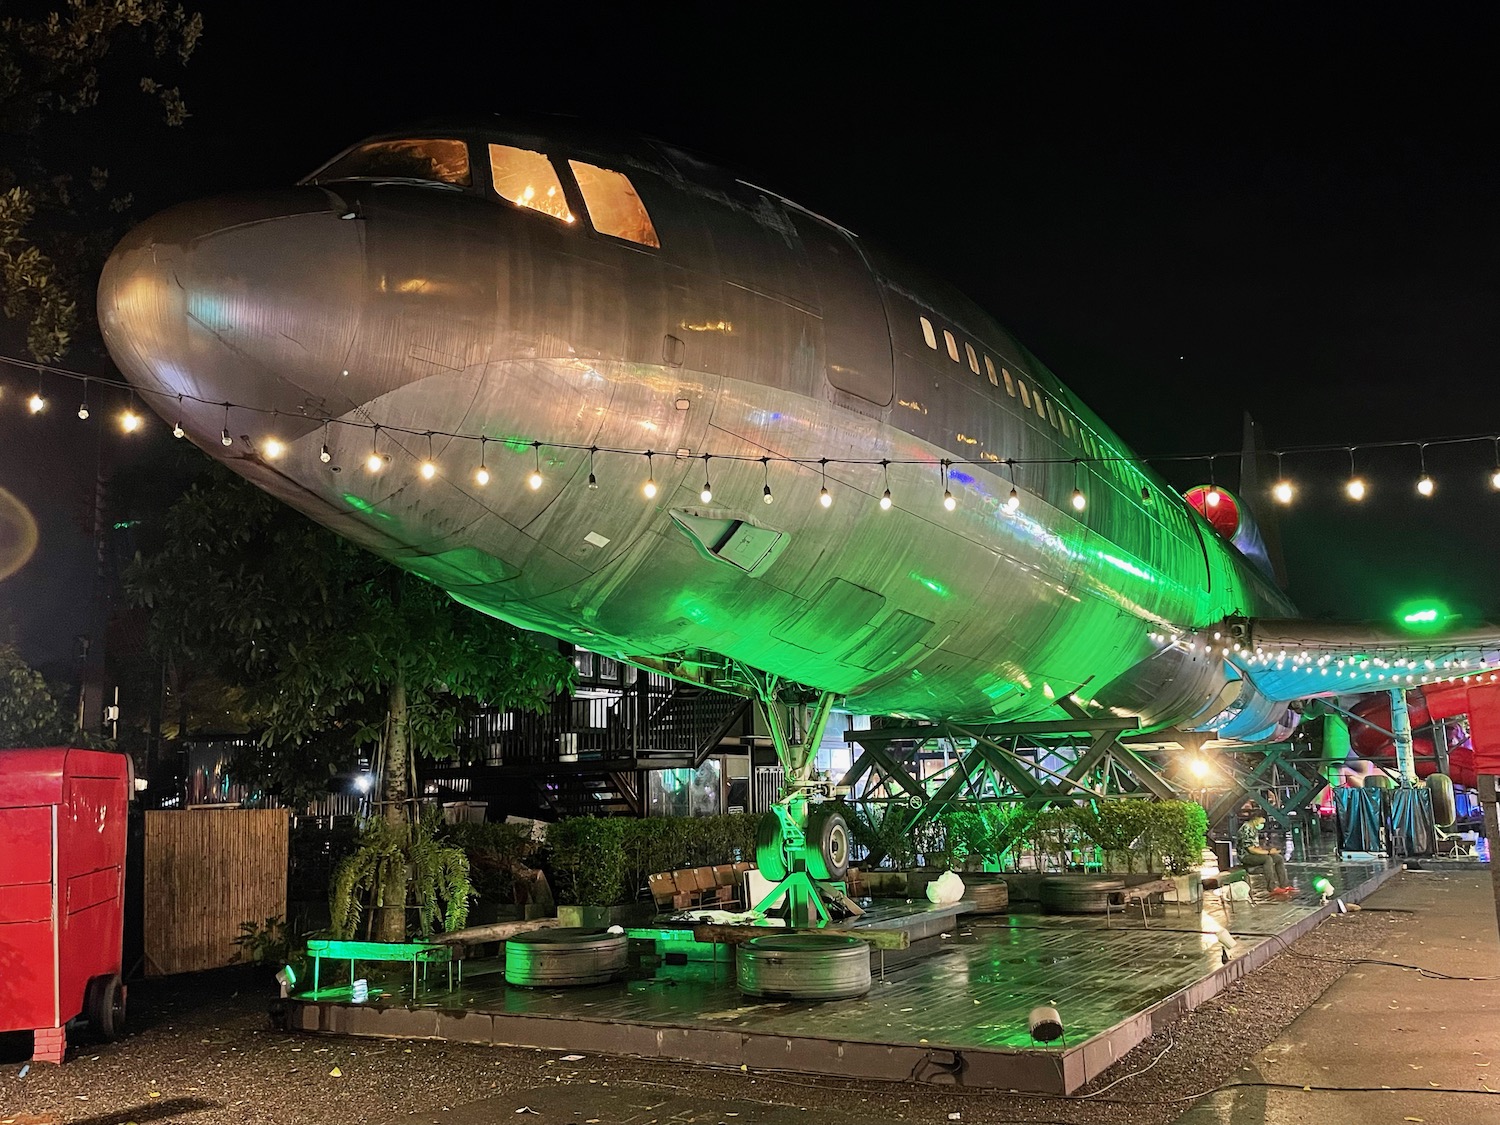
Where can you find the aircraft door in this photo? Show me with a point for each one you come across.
(856, 335)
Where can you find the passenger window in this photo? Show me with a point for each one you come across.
(952, 345)
(1052, 415)
(928, 334)
(431, 160)
(1025, 394)
(1041, 411)
(528, 179)
(1010, 385)
(989, 370)
(614, 207)
(973, 359)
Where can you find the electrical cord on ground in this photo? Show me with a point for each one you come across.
(1433, 973)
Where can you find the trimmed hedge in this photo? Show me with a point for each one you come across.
(604, 861)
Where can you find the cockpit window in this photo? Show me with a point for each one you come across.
(614, 207)
(432, 160)
(528, 179)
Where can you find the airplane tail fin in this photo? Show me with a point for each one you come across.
(1256, 467)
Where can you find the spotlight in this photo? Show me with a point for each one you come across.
(1044, 1024)
(1226, 943)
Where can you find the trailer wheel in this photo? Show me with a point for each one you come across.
(104, 1006)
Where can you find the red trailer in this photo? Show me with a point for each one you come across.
(62, 892)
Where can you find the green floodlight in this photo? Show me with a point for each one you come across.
(1423, 616)
(1322, 885)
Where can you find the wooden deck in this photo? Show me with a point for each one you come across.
(952, 1008)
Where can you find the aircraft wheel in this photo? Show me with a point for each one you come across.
(1444, 809)
(827, 845)
(804, 967)
(770, 849)
(563, 957)
(104, 1006)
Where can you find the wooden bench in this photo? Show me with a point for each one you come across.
(417, 952)
(1140, 894)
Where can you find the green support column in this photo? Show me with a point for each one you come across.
(1401, 728)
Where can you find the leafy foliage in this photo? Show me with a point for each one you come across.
(29, 715)
(262, 943)
(58, 221)
(604, 861)
(493, 851)
(437, 883)
(318, 633)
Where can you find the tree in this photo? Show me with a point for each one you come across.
(58, 214)
(29, 715)
(336, 650)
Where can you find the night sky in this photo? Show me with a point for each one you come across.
(1186, 212)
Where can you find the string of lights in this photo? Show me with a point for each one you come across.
(1283, 490)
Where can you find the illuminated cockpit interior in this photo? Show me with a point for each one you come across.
(419, 160)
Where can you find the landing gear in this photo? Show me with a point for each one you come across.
(800, 842)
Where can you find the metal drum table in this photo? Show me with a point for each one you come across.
(553, 958)
(807, 966)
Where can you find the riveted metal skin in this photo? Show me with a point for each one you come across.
(804, 967)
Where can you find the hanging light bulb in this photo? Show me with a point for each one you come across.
(1495, 475)
(707, 494)
(885, 497)
(1425, 484)
(765, 491)
(1282, 491)
(83, 411)
(535, 479)
(948, 501)
(481, 474)
(593, 482)
(375, 462)
(823, 497)
(130, 421)
(177, 430)
(36, 403)
(1080, 502)
(224, 438)
(649, 488)
(1013, 501)
(1356, 486)
(428, 468)
(273, 449)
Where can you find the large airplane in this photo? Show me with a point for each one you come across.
(596, 387)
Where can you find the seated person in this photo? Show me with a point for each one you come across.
(1256, 859)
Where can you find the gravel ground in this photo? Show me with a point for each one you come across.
(202, 1051)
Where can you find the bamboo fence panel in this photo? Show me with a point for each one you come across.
(208, 870)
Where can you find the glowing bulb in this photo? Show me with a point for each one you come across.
(130, 421)
(765, 494)
(482, 475)
(885, 500)
(374, 462)
(593, 482)
(1199, 767)
(534, 480)
(1495, 480)
(707, 494)
(649, 488)
(1425, 486)
(177, 430)
(274, 448)
(36, 403)
(1079, 503)
(1213, 497)
(948, 501)
(823, 497)
(428, 470)
(225, 439)
(324, 456)
(83, 411)
(1013, 501)
(1283, 491)
(1355, 488)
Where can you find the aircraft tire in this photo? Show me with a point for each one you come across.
(827, 845)
(804, 967)
(770, 852)
(565, 957)
(1444, 808)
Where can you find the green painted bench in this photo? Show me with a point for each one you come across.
(421, 953)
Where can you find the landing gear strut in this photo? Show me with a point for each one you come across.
(800, 844)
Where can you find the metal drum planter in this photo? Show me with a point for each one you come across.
(1078, 894)
(804, 967)
(554, 958)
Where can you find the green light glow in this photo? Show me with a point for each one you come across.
(1422, 616)
(364, 507)
(931, 583)
(1322, 886)
(1127, 566)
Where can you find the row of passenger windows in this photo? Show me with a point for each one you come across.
(1032, 397)
(519, 175)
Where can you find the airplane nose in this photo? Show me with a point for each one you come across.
(248, 299)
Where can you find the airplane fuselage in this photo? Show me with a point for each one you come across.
(755, 334)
